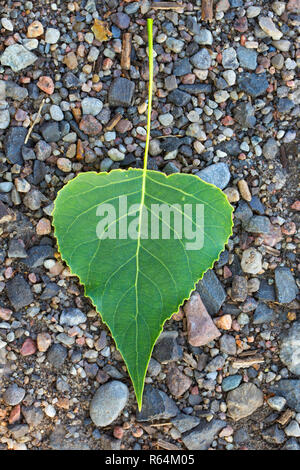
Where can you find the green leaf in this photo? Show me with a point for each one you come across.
(137, 284)
(137, 278)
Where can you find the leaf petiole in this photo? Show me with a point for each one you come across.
(150, 88)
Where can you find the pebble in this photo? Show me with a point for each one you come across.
(91, 106)
(293, 429)
(276, 403)
(247, 58)
(57, 355)
(13, 395)
(268, 26)
(201, 437)
(17, 57)
(229, 60)
(90, 125)
(56, 113)
(72, 317)
(270, 149)
(18, 292)
(290, 348)
(35, 30)
(116, 155)
(263, 314)
(28, 347)
(251, 261)
(4, 118)
(175, 45)
(166, 348)
(177, 382)
(156, 405)
(243, 401)
(43, 341)
(253, 84)
(286, 289)
(200, 327)
(231, 382)
(201, 60)
(52, 35)
(217, 174)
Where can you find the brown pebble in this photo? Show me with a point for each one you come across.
(64, 164)
(43, 227)
(71, 61)
(43, 341)
(35, 29)
(46, 84)
(244, 190)
(201, 328)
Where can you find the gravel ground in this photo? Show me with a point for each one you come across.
(225, 372)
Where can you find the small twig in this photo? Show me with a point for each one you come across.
(160, 424)
(166, 136)
(168, 6)
(35, 121)
(207, 10)
(126, 51)
(113, 122)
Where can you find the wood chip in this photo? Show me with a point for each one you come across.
(207, 10)
(247, 362)
(166, 445)
(168, 6)
(250, 352)
(126, 51)
(285, 417)
(113, 122)
(38, 117)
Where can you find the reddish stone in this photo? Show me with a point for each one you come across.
(224, 322)
(118, 432)
(177, 382)
(227, 121)
(107, 64)
(273, 237)
(5, 314)
(124, 126)
(46, 84)
(201, 328)
(226, 272)
(296, 206)
(28, 347)
(293, 5)
(219, 58)
(90, 125)
(289, 228)
(14, 414)
(188, 79)
(241, 24)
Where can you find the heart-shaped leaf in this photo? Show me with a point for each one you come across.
(139, 241)
(138, 266)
